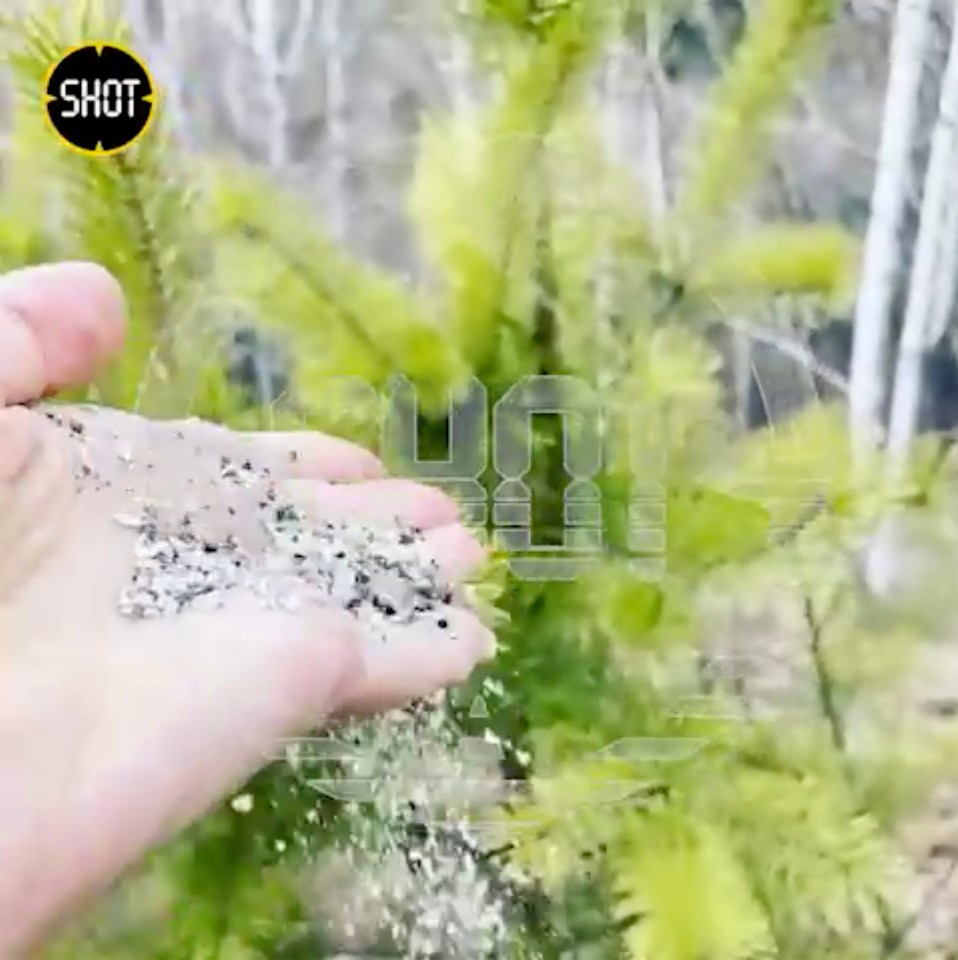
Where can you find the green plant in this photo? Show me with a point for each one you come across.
(742, 837)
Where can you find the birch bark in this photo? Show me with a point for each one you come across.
(935, 273)
(931, 296)
(872, 322)
(337, 131)
(459, 68)
(158, 25)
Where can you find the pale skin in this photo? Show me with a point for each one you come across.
(115, 734)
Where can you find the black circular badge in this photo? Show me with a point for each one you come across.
(99, 98)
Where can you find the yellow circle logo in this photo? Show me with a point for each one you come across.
(99, 99)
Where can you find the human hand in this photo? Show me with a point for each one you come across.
(115, 733)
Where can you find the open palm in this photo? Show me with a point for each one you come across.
(114, 733)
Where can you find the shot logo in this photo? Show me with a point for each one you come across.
(99, 99)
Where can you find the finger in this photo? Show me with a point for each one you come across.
(19, 442)
(36, 491)
(317, 456)
(203, 447)
(382, 503)
(58, 323)
(38, 480)
(420, 659)
(456, 551)
(22, 367)
(287, 454)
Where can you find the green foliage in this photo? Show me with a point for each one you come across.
(788, 259)
(765, 66)
(133, 212)
(295, 277)
(736, 837)
(488, 260)
(682, 875)
(542, 20)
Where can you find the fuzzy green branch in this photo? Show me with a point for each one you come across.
(824, 684)
(353, 324)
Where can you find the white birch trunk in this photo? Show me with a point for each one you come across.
(165, 51)
(264, 39)
(742, 371)
(652, 141)
(337, 130)
(256, 29)
(935, 272)
(610, 96)
(931, 296)
(872, 332)
(227, 19)
(459, 69)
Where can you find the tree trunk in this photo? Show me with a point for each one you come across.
(337, 133)
(264, 40)
(870, 352)
(935, 273)
(459, 69)
(931, 296)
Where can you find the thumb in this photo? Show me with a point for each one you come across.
(58, 323)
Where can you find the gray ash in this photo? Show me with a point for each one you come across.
(382, 575)
(176, 569)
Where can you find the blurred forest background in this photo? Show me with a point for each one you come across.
(736, 226)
